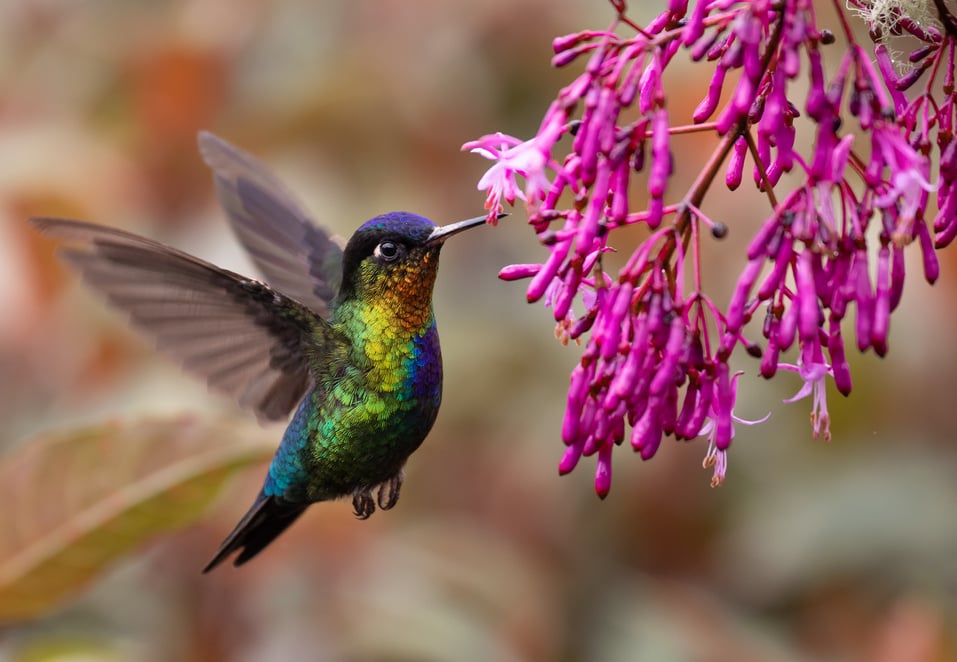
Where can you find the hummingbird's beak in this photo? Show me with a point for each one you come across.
(443, 232)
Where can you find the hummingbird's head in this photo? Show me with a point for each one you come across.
(393, 259)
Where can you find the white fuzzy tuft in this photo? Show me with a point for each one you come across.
(884, 14)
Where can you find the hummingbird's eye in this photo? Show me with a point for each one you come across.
(387, 251)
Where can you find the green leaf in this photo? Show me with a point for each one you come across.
(77, 500)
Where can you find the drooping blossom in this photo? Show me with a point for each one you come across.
(655, 346)
(512, 157)
(722, 417)
(813, 368)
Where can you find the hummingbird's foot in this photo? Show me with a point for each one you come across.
(388, 493)
(363, 504)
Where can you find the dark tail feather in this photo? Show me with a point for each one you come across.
(267, 518)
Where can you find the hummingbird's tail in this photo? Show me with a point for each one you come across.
(268, 517)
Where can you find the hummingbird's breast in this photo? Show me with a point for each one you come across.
(366, 413)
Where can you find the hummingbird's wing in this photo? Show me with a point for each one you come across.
(244, 338)
(295, 255)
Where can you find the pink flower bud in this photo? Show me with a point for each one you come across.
(603, 471)
(882, 311)
(945, 223)
(818, 107)
(612, 321)
(735, 317)
(769, 359)
(624, 382)
(736, 164)
(694, 28)
(775, 277)
(864, 299)
(787, 328)
(724, 403)
(660, 154)
(710, 102)
(688, 407)
(567, 41)
(897, 277)
(570, 458)
(839, 365)
(566, 294)
(519, 271)
(912, 76)
(577, 392)
(809, 313)
(649, 85)
(646, 433)
(541, 280)
(931, 264)
(665, 375)
(618, 211)
(569, 55)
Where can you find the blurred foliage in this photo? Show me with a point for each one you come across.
(89, 496)
(843, 551)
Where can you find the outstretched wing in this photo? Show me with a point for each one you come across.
(244, 338)
(295, 255)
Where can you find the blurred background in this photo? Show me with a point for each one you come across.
(810, 551)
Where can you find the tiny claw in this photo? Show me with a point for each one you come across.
(363, 504)
(387, 499)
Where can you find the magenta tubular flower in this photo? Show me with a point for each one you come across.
(909, 186)
(812, 368)
(719, 428)
(656, 349)
(511, 157)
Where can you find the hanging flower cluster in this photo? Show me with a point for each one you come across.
(656, 351)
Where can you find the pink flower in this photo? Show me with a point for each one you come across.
(656, 346)
(813, 369)
(716, 456)
(512, 157)
(909, 183)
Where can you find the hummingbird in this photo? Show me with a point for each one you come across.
(344, 338)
